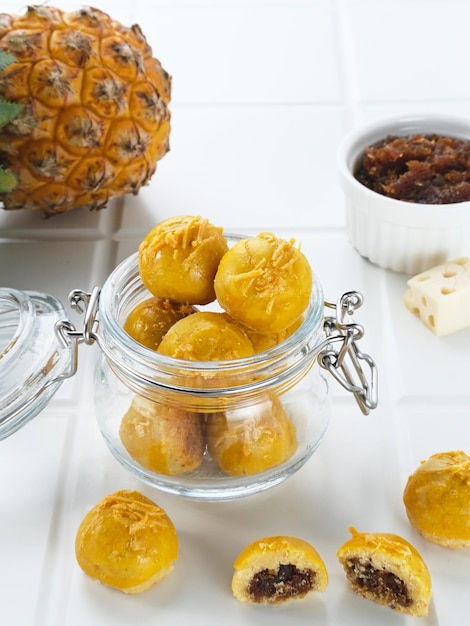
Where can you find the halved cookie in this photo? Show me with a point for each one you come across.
(276, 569)
(388, 570)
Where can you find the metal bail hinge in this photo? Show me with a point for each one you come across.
(344, 331)
(86, 304)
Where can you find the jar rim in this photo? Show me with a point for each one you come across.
(118, 346)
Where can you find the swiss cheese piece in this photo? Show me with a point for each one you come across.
(441, 296)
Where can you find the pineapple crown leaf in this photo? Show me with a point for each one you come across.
(6, 59)
(8, 181)
(8, 111)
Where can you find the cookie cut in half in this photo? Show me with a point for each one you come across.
(275, 569)
(388, 570)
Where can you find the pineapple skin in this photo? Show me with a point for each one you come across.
(95, 119)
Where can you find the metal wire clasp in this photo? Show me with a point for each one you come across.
(87, 304)
(343, 330)
(339, 329)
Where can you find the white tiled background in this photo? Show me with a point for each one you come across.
(262, 93)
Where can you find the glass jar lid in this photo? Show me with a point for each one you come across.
(33, 359)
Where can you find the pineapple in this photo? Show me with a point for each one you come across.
(94, 119)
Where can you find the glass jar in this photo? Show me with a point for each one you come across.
(204, 430)
(34, 360)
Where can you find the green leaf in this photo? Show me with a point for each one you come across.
(6, 59)
(7, 180)
(8, 111)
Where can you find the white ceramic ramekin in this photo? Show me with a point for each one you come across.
(398, 235)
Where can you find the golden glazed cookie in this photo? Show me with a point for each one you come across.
(179, 257)
(388, 570)
(126, 541)
(162, 438)
(264, 282)
(150, 320)
(265, 341)
(437, 499)
(206, 336)
(252, 439)
(276, 569)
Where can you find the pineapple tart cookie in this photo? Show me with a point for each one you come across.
(265, 341)
(206, 336)
(126, 541)
(388, 570)
(437, 499)
(150, 320)
(252, 439)
(276, 569)
(92, 109)
(264, 282)
(163, 438)
(179, 257)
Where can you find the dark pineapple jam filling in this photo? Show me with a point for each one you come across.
(427, 169)
(286, 582)
(382, 584)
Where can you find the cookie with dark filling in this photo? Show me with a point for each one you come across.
(276, 569)
(388, 570)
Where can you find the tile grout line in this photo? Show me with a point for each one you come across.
(346, 59)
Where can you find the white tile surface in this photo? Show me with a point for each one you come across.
(208, 48)
(408, 50)
(263, 90)
(252, 165)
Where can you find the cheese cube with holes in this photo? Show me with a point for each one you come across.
(441, 296)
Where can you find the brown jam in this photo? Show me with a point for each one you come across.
(382, 584)
(286, 582)
(427, 169)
